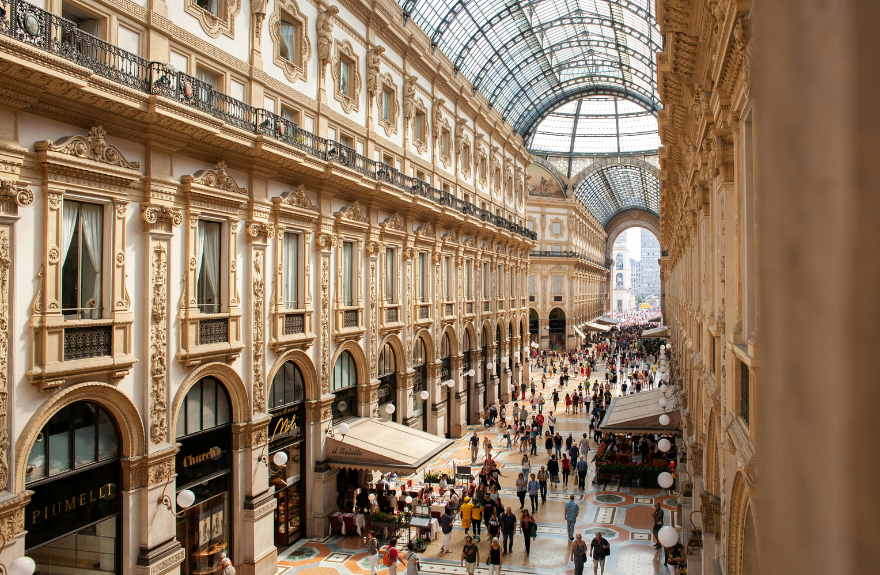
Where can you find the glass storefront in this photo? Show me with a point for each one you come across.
(204, 466)
(420, 383)
(387, 382)
(73, 517)
(287, 434)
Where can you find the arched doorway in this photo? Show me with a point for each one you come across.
(204, 466)
(73, 520)
(465, 370)
(287, 407)
(420, 383)
(485, 363)
(534, 323)
(445, 375)
(387, 382)
(556, 329)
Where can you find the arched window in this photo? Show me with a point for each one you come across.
(619, 260)
(287, 386)
(387, 360)
(466, 342)
(205, 406)
(344, 372)
(420, 357)
(444, 345)
(619, 281)
(79, 435)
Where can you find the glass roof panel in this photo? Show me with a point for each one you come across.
(619, 187)
(526, 56)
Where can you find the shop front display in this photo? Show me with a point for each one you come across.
(387, 383)
(204, 466)
(286, 453)
(73, 517)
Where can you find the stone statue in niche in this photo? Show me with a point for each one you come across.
(409, 96)
(374, 58)
(325, 36)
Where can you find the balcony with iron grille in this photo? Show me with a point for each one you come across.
(348, 324)
(291, 329)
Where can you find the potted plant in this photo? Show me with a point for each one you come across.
(432, 477)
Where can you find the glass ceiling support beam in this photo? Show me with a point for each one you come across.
(574, 131)
(617, 125)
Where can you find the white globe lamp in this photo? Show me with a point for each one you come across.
(424, 395)
(343, 428)
(664, 445)
(22, 566)
(664, 419)
(471, 373)
(490, 365)
(389, 408)
(185, 499)
(667, 536)
(663, 388)
(665, 480)
(663, 402)
(280, 459)
(371, 496)
(408, 499)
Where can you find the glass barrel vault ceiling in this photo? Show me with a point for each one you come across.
(596, 125)
(618, 187)
(529, 56)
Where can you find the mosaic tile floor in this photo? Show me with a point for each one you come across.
(622, 514)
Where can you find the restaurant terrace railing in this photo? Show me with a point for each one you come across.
(54, 34)
(566, 254)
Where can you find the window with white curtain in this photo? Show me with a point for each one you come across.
(289, 48)
(512, 283)
(469, 280)
(499, 281)
(208, 262)
(485, 281)
(386, 105)
(348, 275)
(423, 277)
(450, 277)
(531, 285)
(290, 253)
(82, 251)
(557, 285)
(344, 77)
(390, 275)
(212, 6)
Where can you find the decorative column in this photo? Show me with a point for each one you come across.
(322, 485)
(457, 407)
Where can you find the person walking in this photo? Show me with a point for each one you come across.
(412, 560)
(487, 446)
(391, 556)
(543, 477)
(553, 470)
(599, 550)
(548, 443)
(494, 559)
(508, 529)
(521, 490)
(557, 445)
(572, 510)
(446, 527)
(658, 523)
(470, 555)
(526, 525)
(372, 550)
(493, 526)
(551, 422)
(566, 470)
(579, 555)
(534, 490)
(584, 445)
(465, 511)
(582, 472)
(475, 446)
(477, 518)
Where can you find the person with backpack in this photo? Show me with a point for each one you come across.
(599, 550)
(579, 553)
(391, 557)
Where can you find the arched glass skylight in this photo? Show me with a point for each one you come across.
(527, 56)
(596, 125)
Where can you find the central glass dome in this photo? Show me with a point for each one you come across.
(596, 125)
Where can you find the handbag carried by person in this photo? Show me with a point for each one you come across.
(534, 530)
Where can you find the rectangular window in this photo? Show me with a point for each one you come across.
(482, 169)
(208, 262)
(207, 77)
(348, 273)
(744, 409)
(465, 156)
(499, 281)
(418, 131)
(390, 275)
(291, 271)
(423, 277)
(211, 6)
(290, 42)
(556, 228)
(469, 283)
(531, 285)
(557, 285)
(449, 279)
(386, 105)
(345, 77)
(290, 115)
(128, 40)
(512, 282)
(485, 281)
(444, 142)
(530, 225)
(82, 251)
(557, 249)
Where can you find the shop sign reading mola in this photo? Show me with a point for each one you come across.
(285, 428)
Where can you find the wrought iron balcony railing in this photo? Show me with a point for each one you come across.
(566, 254)
(61, 37)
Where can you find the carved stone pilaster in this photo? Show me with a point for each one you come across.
(258, 331)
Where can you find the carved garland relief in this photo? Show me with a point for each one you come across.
(5, 262)
(258, 331)
(158, 345)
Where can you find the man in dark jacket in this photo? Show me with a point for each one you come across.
(599, 550)
(508, 528)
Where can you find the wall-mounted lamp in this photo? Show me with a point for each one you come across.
(424, 394)
(504, 359)
(490, 365)
(448, 383)
(471, 373)
(185, 499)
(279, 459)
(342, 429)
(19, 566)
(516, 355)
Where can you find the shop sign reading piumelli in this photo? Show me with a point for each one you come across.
(71, 502)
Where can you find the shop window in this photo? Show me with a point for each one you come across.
(286, 434)
(208, 262)
(77, 436)
(205, 406)
(82, 251)
(291, 271)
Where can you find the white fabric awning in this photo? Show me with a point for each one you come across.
(608, 320)
(579, 332)
(597, 326)
(656, 332)
(374, 443)
(639, 413)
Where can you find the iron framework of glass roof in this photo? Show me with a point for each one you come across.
(596, 125)
(620, 186)
(529, 56)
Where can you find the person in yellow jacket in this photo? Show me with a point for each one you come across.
(466, 510)
(477, 517)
